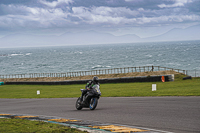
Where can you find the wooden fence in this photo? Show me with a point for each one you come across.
(93, 72)
(193, 73)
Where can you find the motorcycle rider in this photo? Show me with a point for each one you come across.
(89, 87)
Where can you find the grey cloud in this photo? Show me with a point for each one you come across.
(194, 7)
(13, 9)
(177, 3)
(105, 13)
(57, 3)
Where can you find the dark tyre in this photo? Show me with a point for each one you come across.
(78, 105)
(93, 103)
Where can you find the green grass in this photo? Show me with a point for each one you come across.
(27, 126)
(46, 91)
(178, 87)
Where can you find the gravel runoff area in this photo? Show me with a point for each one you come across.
(102, 76)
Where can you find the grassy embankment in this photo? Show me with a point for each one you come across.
(178, 87)
(27, 126)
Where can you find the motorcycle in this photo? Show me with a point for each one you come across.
(90, 99)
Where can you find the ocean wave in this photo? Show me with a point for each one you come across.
(8, 55)
(28, 53)
(42, 65)
(149, 55)
(100, 66)
(78, 52)
(15, 54)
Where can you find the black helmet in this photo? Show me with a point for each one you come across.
(95, 79)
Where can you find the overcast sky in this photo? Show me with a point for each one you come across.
(141, 17)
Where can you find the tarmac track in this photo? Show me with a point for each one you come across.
(173, 114)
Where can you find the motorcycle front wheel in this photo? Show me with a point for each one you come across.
(78, 105)
(93, 103)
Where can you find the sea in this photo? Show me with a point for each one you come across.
(60, 59)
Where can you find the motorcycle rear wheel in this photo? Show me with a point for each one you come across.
(93, 103)
(78, 105)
